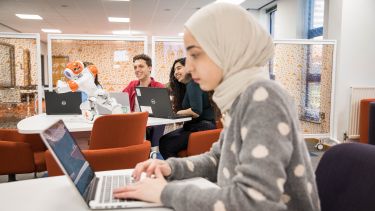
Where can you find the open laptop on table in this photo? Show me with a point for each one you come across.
(121, 98)
(64, 103)
(95, 190)
(156, 102)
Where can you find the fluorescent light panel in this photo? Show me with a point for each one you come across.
(29, 16)
(181, 34)
(51, 30)
(238, 2)
(118, 20)
(127, 32)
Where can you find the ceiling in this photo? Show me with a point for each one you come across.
(152, 17)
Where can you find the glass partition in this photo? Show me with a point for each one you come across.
(306, 69)
(19, 77)
(164, 51)
(112, 55)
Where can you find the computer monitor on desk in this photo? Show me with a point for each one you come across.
(64, 103)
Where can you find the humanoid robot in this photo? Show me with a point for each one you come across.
(82, 79)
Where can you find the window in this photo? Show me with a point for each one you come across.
(315, 18)
(311, 98)
(271, 14)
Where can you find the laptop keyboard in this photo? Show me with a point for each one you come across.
(113, 182)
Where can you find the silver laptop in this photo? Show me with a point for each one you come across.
(95, 190)
(121, 98)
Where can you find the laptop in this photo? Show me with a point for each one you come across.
(121, 98)
(156, 102)
(63, 104)
(95, 190)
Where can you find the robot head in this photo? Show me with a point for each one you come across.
(73, 69)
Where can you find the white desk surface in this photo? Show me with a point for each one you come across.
(57, 194)
(75, 123)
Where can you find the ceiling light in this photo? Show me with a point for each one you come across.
(127, 32)
(181, 34)
(51, 30)
(238, 2)
(118, 20)
(28, 16)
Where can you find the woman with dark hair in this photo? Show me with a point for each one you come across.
(188, 100)
(177, 89)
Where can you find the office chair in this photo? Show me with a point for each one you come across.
(107, 159)
(20, 153)
(200, 142)
(346, 178)
(118, 130)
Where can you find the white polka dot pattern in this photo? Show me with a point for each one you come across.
(283, 128)
(256, 195)
(190, 165)
(280, 183)
(285, 198)
(260, 94)
(260, 151)
(243, 133)
(213, 160)
(299, 171)
(309, 187)
(219, 206)
(226, 173)
(233, 148)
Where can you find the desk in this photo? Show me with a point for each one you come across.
(75, 123)
(56, 193)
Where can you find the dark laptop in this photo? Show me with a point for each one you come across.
(95, 190)
(156, 102)
(64, 103)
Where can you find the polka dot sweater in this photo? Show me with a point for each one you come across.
(260, 161)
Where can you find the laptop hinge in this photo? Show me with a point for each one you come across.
(91, 195)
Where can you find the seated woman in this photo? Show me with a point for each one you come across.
(190, 100)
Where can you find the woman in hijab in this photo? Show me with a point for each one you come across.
(260, 161)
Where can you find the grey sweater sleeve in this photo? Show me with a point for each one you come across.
(253, 168)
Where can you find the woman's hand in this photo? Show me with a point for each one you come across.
(149, 167)
(148, 189)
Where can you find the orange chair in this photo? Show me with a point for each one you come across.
(364, 120)
(118, 130)
(20, 153)
(107, 159)
(200, 142)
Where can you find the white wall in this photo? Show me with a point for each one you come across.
(289, 19)
(351, 24)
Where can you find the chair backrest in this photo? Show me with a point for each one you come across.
(107, 159)
(201, 142)
(34, 140)
(346, 178)
(118, 130)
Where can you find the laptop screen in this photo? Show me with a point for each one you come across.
(68, 153)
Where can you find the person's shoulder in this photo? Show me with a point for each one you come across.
(156, 84)
(192, 85)
(266, 89)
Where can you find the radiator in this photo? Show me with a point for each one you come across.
(357, 94)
